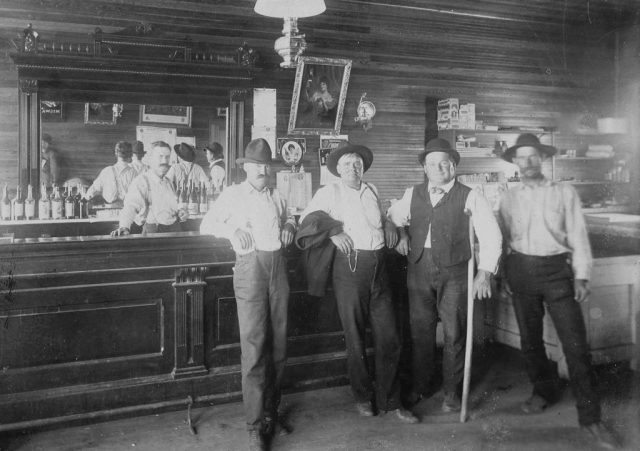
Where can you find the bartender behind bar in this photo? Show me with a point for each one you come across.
(151, 199)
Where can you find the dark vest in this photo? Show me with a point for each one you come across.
(218, 163)
(449, 226)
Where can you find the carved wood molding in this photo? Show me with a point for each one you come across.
(28, 85)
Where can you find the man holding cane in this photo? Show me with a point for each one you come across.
(434, 229)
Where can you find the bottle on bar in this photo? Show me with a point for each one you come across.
(63, 196)
(44, 204)
(5, 205)
(184, 200)
(204, 206)
(76, 201)
(193, 205)
(84, 205)
(18, 205)
(69, 204)
(57, 205)
(29, 204)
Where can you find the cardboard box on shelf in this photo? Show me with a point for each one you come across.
(448, 114)
(468, 116)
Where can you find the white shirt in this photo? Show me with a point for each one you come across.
(358, 210)
(547, 219)
(112, 182)
(150, 199)
(218, 174)
(484, 222)
(185, 172)
(261, 213)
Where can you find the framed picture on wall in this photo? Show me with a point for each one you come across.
(100, 114)
(165, 114)
(319, 95)
(51, 111)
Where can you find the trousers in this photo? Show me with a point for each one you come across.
(361, 286)
(437, 292)
(262, 297)
(537, 282)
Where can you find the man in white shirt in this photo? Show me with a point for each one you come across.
(254, 218)
(185, 171)
(548, 269)
(360, 280)
(151, 200)
(437, 248)
(215, 157)
(113, 181)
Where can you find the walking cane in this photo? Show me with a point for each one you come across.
(469, 344)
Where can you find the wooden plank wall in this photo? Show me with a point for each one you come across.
(545, 64)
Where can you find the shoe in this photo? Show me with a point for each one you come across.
(272, 426)
(365, 409)
(534, 405)
(406, 416)
(600, 436)
(451, 403)
(256, 441)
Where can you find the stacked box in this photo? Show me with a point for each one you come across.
(468, 116)
(448, 114)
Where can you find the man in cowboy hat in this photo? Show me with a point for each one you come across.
(549, 264)
(254, 218)
(360, 281)
(136, 158)
(185, 171)
(215, 157)
(113, 181)
(433, 223)
(151, 199)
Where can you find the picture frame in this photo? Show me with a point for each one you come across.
(291, 150)
(51, 111)
(319, 95)
(166, 114)
(100, 114)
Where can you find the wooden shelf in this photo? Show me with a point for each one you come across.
(593, 182)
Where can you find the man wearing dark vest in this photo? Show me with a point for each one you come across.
(433, 223)
(217, 168)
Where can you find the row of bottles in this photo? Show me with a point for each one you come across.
(57, 205)
(195, 199)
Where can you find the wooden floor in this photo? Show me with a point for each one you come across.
(326, 420)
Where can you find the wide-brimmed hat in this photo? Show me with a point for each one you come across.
(528, 140)
(257, 151)
(439, 145)
(335, 155)
(138, 148)
(186, 152)
(215, 148)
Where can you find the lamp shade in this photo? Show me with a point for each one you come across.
(289, 8)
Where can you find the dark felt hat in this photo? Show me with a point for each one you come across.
(215, 148)
(528, 140)
(186, 152)
(439, 145)
(335, 155)
(138, 148)
(257, 151)
(123, 149)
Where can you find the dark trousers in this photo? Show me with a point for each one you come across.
(262, 296)
(436, 292)
(363, 295)
(537, 282)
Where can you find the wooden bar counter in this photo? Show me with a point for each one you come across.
(97, 327)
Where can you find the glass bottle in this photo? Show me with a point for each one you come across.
(76, 201)
(57, 206)
(29, 204)
(5, 205)
(204, 200)
(69, 204)
(184, 200)
(84, 205)
(193, 205)
(44, 204)
(18, 205)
